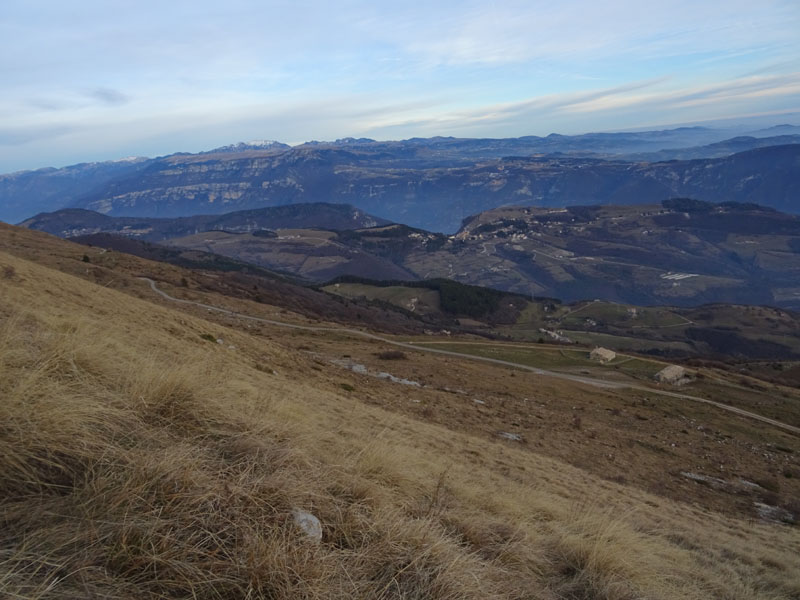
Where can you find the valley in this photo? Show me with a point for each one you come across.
(681, 252)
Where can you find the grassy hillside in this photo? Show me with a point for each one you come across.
(416, 300)
(759, 340)
(724, 331)
(142, 457)
(445, 296)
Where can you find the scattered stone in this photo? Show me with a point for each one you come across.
(714, 482)
(774, 514)
(739, 486)
(477, 401)
(453, 391)
(749, 485)
(602, 355)
(393, 379)
(514, 437)
(557, 336)
(308, 524)
(673, 374)
(362, 370)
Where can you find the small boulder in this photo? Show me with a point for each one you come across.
(308, 524)
(673, 374)
(602, 355)
(775, 514)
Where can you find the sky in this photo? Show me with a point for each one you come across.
(90, 80)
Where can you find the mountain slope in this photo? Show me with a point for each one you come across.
(682, 252)
(193, 455)
(29, 192)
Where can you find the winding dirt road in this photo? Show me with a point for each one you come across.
(418, 348)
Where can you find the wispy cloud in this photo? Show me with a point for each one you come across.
(108, 96)
(17, 136)
(154, 77)
(523, 30)
(600, 103)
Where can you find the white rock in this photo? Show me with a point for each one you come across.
(775, 514)
(672, 374)
(309, 524)
(602, 355)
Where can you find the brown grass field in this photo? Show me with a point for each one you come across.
(138, 459)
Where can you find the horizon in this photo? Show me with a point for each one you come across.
(89, 83)
(731, 130)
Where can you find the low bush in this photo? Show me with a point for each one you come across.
(391, 355)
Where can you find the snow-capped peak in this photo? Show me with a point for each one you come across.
(251, 145)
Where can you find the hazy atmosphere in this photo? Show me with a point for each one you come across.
(97, 80)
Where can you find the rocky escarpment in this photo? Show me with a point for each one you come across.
(437, 198)
(428, 183)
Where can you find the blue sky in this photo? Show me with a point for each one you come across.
(95, 80)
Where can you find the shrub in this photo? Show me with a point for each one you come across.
(347, 387)
(391, 355)
(208, 337)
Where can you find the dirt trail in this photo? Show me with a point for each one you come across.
(418, 348)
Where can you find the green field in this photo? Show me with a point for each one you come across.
(626, 343)
(606, 314)
(555, 358)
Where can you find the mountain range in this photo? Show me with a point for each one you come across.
(429, 183)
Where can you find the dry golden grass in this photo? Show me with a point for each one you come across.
(138, 460)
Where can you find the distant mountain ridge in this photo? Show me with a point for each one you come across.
(252, 145)
(437, 197)
(72, 222)
(430, 183)
(717, 149)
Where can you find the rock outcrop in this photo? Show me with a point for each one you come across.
(602, 355)
(673, 375)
